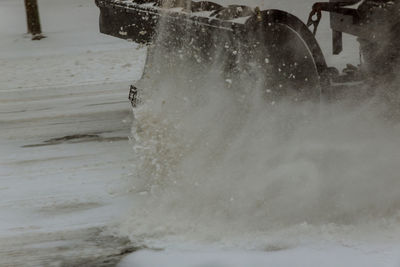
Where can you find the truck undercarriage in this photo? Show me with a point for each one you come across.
(271, 45)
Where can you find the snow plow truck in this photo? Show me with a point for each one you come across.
(279, 46)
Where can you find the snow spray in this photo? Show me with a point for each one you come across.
(218, 161)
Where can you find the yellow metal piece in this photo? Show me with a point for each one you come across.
(258, 13)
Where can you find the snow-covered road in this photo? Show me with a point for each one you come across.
(65, 160)
(65, 157)
(323, 193)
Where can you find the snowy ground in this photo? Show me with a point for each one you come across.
(67, 175)
(65, 121)
(64, 160)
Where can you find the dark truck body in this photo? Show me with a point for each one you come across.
(137, 20)
(205, 27)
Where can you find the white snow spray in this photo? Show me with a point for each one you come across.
(217, 161)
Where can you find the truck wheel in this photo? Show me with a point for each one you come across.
(288, 54)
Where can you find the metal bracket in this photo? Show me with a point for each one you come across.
(315, 17)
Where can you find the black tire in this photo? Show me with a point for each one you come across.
(287, 51)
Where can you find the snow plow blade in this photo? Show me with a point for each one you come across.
(241, 39)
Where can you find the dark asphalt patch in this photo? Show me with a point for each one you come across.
(78, 138)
